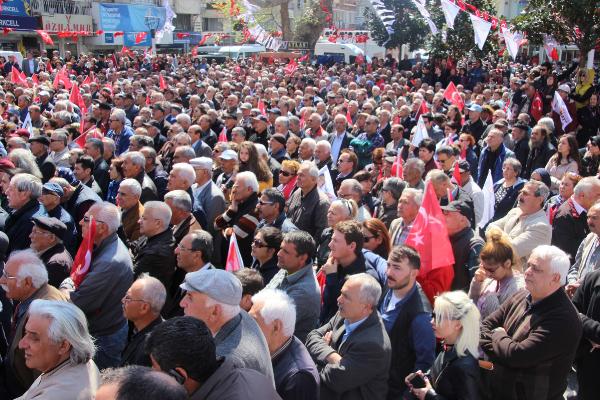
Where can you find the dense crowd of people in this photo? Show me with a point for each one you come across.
(317, 175)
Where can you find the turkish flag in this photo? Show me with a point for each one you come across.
(456, 174)
(398, 166)
(204, 39)
(536, 106)
(118, 33)
(45, 37)
(161, 82)
(76, 97)
(83, 258)
(223, 136)
(304, 57)
(234, 257)
(261, 107)
(89, 79)
(429, 236)
(422, 109)
(453, 96)
(291, 67)
(15, 77)
(35, 79)
(349, 117)
(140, 37)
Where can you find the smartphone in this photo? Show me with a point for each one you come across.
(417, 382)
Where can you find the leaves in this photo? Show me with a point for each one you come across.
(409, 27)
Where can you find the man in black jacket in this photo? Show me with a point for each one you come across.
(39, 148)
(406, 314)
(22, 194)
(134, 163)
(141, 306)
(154, 251)
(520, 137)
(47, 238)
(296, 376)
(540, 152)
(95, 149)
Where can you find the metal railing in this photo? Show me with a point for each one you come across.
(50, 7)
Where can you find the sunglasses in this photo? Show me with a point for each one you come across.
(259, 244)
(285, 173)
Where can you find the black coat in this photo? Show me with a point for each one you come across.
(80, 202)
(587, 302)
(538, 158)
(101, 174)
(134, 353)
(46, 166)
(454, 377)
(569, 228)
(149, 191)
(58, 263)
(296, 375)
(155, 256)
(18, 226)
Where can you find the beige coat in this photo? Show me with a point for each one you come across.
(68, 381)
(527, 233)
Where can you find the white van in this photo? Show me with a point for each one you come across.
(348, 51)
(243, 51)
(17, 54)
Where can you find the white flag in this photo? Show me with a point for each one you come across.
(481, 29)
(27, 124)
(590, 59)
(325, 183)
(420, 133)
(513, 41)
(489, 200)
(559, 107)
(450, 12)
(425, 14)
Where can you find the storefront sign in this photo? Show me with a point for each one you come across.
(19, 8)
(65, 22)
(19, 23)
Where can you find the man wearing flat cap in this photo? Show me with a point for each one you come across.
(259, 126)
(39, 146)
(466, 246)
(47, 238)
(213, 296)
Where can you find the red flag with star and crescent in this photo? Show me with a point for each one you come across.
(453, 96)
(429, 227)
(429, 236)
(83, 258)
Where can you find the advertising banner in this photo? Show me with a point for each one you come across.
(19, 8)
(128, 17)
(67, 23)
(129, 40)
(19, 23)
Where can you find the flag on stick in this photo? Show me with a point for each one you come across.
(83, 258)
(234, 257)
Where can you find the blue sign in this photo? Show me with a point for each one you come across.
(19, 23)
(129, 40)
(129, 17)
(20, 8)
(109, 38)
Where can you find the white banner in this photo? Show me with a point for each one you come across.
(559, 107)
(450, 12)
(427, 16)
(590, 59)
(489, 201)
(420, 133)
(513, 41)
(481, 30)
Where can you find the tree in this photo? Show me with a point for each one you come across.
(568, 21)
(266, 16)
(310, 25)
(409, 28)
(460, 41)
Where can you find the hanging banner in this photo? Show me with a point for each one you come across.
(18, 8)
(128, 17)
(512, 40)
(67, 23)
(129, 40)
(481, 30)
(425, 14)
(450, 11)
(19, 23)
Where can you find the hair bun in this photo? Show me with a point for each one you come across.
(494, 234)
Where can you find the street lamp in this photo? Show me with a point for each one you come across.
(152, 21)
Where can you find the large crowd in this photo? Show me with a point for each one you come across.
(126, 211)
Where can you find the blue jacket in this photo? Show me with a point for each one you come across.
(497, 167)
(123, 144)
(296, 375)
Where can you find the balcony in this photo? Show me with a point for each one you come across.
(50, 7)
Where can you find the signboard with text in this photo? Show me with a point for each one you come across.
(19, 8)
(19, 23)
(66, 22)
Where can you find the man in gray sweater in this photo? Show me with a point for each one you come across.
(213, 296)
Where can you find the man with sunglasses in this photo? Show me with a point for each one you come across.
(271, 211)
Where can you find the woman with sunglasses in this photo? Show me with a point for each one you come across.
(498, 276)
(287, 177)
(264, 250)
(455, 372)
(377, 237)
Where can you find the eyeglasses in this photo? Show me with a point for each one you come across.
(341, 161)
(180, 247)
(259, 244)
(265, 203)
(113, 120)
(285, 173)
(369, 238)
(128, 299)
(87, 220)
(6, 276)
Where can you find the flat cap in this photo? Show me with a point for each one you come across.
(460, 207)
(40, 139)
(202, 163)
(217, 284)
(261, 118)
(279, 138)
(53, 188)
(229, 155)
(52, 225)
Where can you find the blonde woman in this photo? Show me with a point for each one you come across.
(455, 372)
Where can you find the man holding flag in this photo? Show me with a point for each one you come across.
(101, 275)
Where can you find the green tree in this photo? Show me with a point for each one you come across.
(460, 41)
(568, 21)
(409, 28)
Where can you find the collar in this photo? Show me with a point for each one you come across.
(389, 294)
(296, 276)
(351, 327)
(577, 206)
(201, 188)
(283, 348)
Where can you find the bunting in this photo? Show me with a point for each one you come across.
(450, 11)
(385, 15)
(481, 30)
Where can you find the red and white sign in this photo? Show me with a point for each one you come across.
(67, 23)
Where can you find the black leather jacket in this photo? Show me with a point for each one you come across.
(454, 377)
